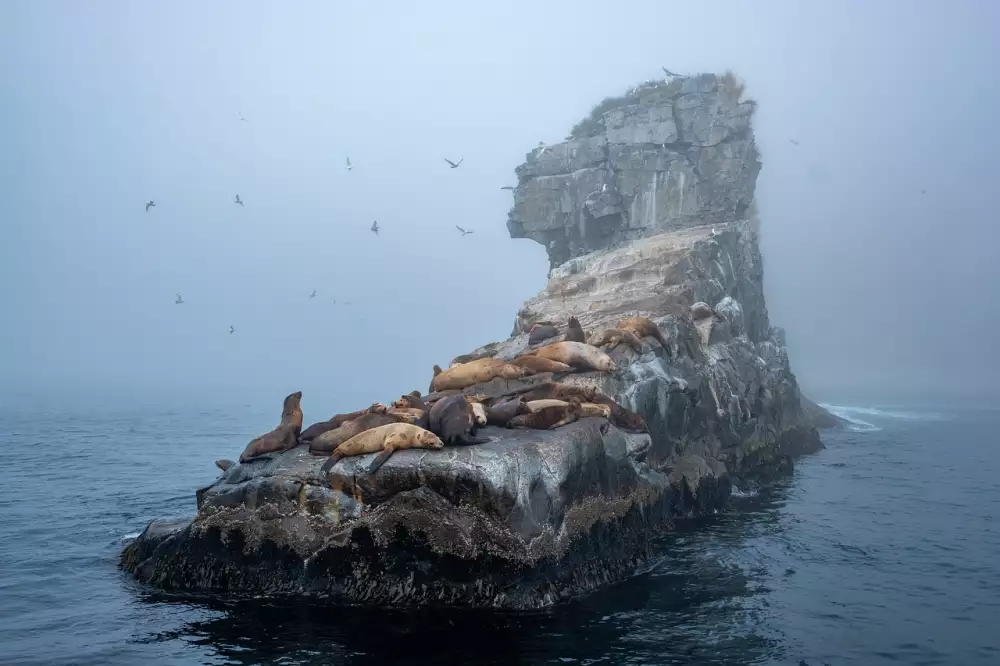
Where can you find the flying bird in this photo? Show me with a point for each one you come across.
(179, 300)
(375, 227)
(923, 191)
(465, 232)
(238, 200)
(507, 187)
(150, 204)
(668, 72)
(242, 118)
(313, 295)
(231, 330)
(349, 167)
(794, 141)
(454, 165)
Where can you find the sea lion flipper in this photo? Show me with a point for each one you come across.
(380, 459)
(330, 462)
(224, 464)
(468, 440)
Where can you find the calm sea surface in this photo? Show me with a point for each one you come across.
(882, 549)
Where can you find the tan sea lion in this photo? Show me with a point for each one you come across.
(574, 332)
(535, 405)
(479, 413)
(385, 439)
(317, 429)
(454, 421)
(224, 464)
(538, 364)
(594, 409)
(285, 436)
(644, 327)
(331, 439)
(622, 418)
(615, 336)
(501, 413)
(701, 310)
(580, 355)
(475, 372)
(407, 414)
(541, 332)
(549, 418)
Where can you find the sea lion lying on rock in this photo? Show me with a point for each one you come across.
(541, 332)
(615, 336)
(385, 440)
(224, 464)
(644, 327)
(285, 436)
(539, 364)
(454, 421)
(331, 439)
(549, 418)
(317, 429)
(579, 355)
(475, 372)
(620, 416)
(574, 332)
(586, 408)
(501, 413)
(411, 400)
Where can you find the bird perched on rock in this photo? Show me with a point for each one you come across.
(465, 232)
(454, 165)
(238, 200)
(150, 204)
(375, 227)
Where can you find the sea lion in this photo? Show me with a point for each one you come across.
(595, 409)
(385, 439)
(475, 372)
(549, 418)
(224, 464)
(501, 413)
(317, 429)
(643, 327)
(701, 310)
(622, 418)
(410, 401)
(331, 439)
(538, 364)
(615, 336)
(541, 332)
(580, 355)
(574, 332)
(285, 436)
(407, 414)
(454, 421)
(535, 405)
(479, 412)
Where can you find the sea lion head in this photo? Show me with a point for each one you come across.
(429, 440)
(479, 412)
(605, 364)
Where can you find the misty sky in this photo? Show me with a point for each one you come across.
(104, 105)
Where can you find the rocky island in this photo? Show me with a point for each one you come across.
(647, 209)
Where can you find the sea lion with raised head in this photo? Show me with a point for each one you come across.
(538, 364)
(580, 355)
(454, 421)
(549, 418)
(540, 332)
(317, 429)
(285, 436)
(224, 465)
(385, 440)
(615, 336)
(574, 332)
(331, 439)
(475, 372)
(501, 413)
(643, 327)
(411, 400)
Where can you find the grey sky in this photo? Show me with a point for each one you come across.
(107, 104)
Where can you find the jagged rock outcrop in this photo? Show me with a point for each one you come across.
(533, 517)
(669, 155)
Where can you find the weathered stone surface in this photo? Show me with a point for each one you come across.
(672, 155)
(533, 517)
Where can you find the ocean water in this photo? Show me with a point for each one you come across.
(882, 549)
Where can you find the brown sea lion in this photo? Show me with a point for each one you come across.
(224, 464)
(701, 310)
(538, 364)
(644, 327)
(615, 336)
(410, 401)
(580, 355)
(285, 436)
(407, 414)
(385, 439)
(622, 418)
(331, 439)
(541, 332)
(501, 413)
(574, 332)
(454, 421)
(475, 372)
(317, 429)
(549, 418)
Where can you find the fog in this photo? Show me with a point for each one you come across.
(105, 105)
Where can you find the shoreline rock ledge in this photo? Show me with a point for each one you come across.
(646, 211)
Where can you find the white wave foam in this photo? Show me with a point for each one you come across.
(907, 415)
(846, 413)
(130, 536)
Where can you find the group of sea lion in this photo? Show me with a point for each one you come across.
(448, 417)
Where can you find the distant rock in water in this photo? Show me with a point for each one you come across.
(536, 516)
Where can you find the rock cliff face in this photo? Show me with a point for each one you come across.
(533, 517)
